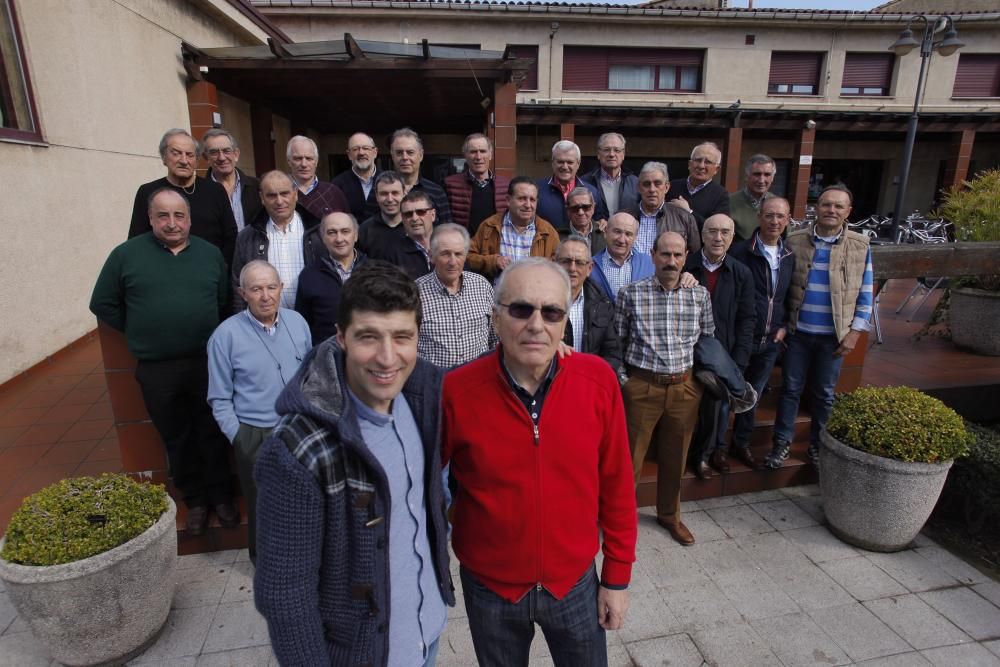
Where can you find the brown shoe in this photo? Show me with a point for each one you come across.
(745, 456)
(678, 531)
(702, 470)
(229, 516)
(197, 520)
(718, 460)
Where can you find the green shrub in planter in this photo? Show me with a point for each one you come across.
(974, 482)
(81, 517)
(899, 423)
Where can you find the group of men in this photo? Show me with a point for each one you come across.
(347, 364)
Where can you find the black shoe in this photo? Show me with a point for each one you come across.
(718, 460)
(713, 385)
(197, 520)
(229, 516)
(702, 470)
(744, 455)
(777, 456)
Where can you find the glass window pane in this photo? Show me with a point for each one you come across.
(850, 91)
(668, 77)
(630, 77)
(803, 89)
(874, 91)
(689, 78)
(15, 112)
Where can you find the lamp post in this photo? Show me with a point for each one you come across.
(947, 45)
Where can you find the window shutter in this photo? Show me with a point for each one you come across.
(677, 57)
(868, 70)
(585, 68)
(978, 75)
(527, 51)
(797, 68)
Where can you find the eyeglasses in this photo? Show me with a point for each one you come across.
(523, 311)
(609, 150)
(703, 160)
(216, 152)
(652, 184)
(775, 216)
(417, 212)
(576, 208)
(355, 149)
(570, 261)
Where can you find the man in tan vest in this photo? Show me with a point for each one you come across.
(830, 301)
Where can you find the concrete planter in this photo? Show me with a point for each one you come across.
(101, 610)
(873, 502)
(972, 311)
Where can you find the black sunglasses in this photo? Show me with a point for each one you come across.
(417, 212)
(576, 208)
(524, 311)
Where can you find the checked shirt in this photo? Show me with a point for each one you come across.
(659, 327)
(456, 328)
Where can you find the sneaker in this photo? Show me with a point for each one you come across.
(813, 454)
(745, 402)
(777, 455)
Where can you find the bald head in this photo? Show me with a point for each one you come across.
(279, 195)
(620, 234)
(717, 236)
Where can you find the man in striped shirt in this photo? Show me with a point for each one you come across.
(830, 304)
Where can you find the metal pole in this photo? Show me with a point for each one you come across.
(926, 48)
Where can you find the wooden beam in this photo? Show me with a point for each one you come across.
(941, 259)
(353, 49)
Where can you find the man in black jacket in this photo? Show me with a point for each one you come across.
(731, 286)
(771, 263)
(220, 149)
(590, 325)
(698, 194)
(617, 187)
(358, 182)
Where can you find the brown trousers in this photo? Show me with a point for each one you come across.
(675, 408)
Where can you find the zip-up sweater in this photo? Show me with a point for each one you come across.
(323, 505)
(531, 500)
(771, 299)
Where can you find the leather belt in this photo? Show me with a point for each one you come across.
(660, 379)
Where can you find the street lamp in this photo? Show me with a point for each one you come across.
(947, 45)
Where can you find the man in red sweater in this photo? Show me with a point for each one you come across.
(538, 481)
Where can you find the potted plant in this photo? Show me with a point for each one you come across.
(974, 210)
(89, 565)
(885, 457)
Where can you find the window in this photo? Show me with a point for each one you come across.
(794, 73)
(867, 74)
(665, 70)
(18, 119)
(527, 51)
(978, 75)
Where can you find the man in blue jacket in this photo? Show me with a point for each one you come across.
(771, 264)
(617, 265)
(554, 190)
(351, 511)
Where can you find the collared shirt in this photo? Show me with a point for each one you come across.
(269, 330)
(312, 186)
(564, 189)
(418, 612)
(772, 253)
(484, 182)
(456, 328)
(646, 236)
(284, 252)
(618, 275)
(712, 266)
(366, 186)
(532, 402)
(515, 243)
(235, 200)
(696, 189)
(424, 251)
(753, 200)
(659, 327)
(576, 321)
(816, 315)
(339, 268)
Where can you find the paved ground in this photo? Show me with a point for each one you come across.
(766, 584)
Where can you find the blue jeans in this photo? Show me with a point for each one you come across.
(807, 356)
(502, 630)
(757, 374)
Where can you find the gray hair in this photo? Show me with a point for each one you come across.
(579, 191)
(354, 221)
(774, 200)
(574, 238)
(362, 134)
(449, 228)
(655, 166)
(473, 137)
(563, 146)
(177, 132)
(527, 263)
(711, 145)
(294, 140)
(759, 158)
(256, 264)
(610, 135)
(405, 132)
(218, 132)
(277, 172)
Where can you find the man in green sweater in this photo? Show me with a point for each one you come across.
(744, 205)
(165, 290)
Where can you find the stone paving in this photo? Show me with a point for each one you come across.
(766, 584)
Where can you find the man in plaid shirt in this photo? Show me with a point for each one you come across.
(659, 323)
(457, 305)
